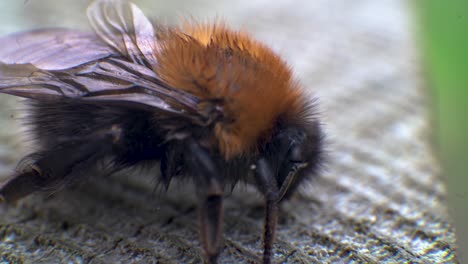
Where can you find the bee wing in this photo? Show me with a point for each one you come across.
(105, 80)
(124, 27)
(114, 66)
(54, 63)
(52, 49)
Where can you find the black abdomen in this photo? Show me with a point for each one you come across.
(61, 122)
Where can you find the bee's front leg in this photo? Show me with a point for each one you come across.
(267, 184)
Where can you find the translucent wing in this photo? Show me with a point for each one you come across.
(124, 27)
(53, 49)
(115, 65)
(108, 80)
(60, 63)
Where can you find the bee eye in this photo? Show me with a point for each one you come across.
(295, 154)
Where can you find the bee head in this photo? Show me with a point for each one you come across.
(293, 154)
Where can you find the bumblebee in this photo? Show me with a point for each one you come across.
(208, 103)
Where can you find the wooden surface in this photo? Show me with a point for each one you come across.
(382, 198)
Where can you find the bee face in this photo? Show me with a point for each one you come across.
(204, 101)
(293, 154)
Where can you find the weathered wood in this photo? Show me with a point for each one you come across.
(382, 198)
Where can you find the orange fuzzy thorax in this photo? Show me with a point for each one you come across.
(214, 62)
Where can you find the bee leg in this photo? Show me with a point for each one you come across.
(210, 192)
(36, 172)
(65, 161)
(268, 186)
(51, 168)
(20, 186)
(211, 222)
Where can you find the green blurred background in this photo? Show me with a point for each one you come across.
(445, 39)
